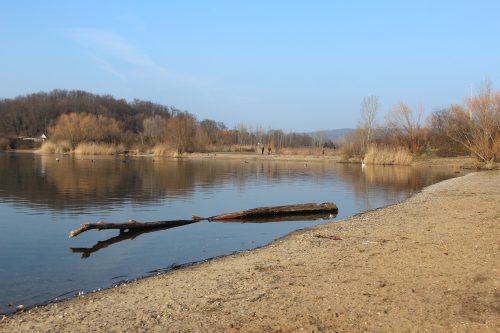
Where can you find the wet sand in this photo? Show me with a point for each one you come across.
(430, 263)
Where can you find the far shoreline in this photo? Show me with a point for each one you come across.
(456, 162)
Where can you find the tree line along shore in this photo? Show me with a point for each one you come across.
(83, 123)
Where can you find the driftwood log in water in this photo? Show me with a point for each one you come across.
(130, 226)
(304, 210)
(285, 218)
(278, 211)
(124, 235)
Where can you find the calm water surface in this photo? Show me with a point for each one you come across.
(42, 199)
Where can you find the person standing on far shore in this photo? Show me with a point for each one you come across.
(269, 150)
(262, 149)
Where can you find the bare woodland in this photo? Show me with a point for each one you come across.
(74, 119)
(472, 128)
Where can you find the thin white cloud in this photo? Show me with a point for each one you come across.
(112, 44)
(107, 67)
(106, 44)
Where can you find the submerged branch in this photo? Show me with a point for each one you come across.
(124, 235)
(131, 225)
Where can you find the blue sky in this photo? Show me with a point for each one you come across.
(294, 65)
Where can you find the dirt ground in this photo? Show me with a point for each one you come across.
(255, 156)
(430, 263)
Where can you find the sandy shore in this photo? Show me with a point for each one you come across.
(430, 263)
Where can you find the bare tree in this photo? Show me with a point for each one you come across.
(242, 130)
(477, 127)
(406, 123)
(154, 129)
(369, 109)
(181, 131)
(84, 127)
(319, 138)
(211, 130)
(437, 135)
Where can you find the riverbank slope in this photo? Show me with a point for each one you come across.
(429, 263)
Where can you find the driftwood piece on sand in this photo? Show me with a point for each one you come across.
(278, 211)
(130, 226)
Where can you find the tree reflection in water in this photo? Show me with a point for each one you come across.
(79, 182)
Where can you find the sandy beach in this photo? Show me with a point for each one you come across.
(430, 263)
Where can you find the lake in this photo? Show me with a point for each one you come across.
(42, 199)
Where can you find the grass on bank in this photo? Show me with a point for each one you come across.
(388, 156)
(87, 148)
(308, 151)
(164, 150)
(59, 147)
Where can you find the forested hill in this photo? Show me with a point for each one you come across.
(74, 117)
(31, 115)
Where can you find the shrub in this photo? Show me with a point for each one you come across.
(4, 143)
(19, 143)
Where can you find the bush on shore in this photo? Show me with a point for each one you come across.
(4, 143)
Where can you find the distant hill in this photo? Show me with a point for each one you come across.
(32, 114)
(333, 134)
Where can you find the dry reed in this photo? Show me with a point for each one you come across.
(87, 148)
(388, 156)
(308, 151)
(164, 149)
(59, 147)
